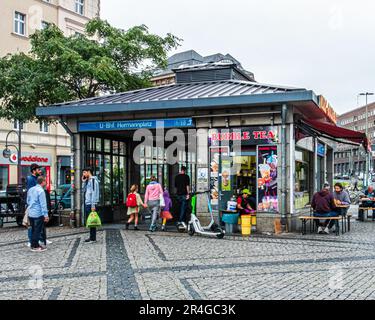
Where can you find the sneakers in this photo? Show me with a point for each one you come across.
(28, 244)
(49, 242)
(181, 225)
(326, 230)
(39, 249)
(163, 228)
(90, 241)
(153, 228)
(320, 230)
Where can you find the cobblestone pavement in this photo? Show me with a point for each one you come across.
(144, 265)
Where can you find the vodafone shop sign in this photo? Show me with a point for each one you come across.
(27, 158)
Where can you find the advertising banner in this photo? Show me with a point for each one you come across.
(267, 179)
(226, 175)
(244, 136)
(215, 157)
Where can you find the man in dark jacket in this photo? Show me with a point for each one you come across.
(182, 184)
(323, 204)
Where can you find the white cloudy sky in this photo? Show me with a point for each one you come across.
(324, 45)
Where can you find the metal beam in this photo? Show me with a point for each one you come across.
(195, 103)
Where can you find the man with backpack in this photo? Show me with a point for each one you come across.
(91, 198)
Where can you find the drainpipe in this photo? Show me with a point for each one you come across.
(283, 166)
(73, 222)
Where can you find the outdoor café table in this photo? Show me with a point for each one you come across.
(372, 200)
(342, 212)
(343, 208)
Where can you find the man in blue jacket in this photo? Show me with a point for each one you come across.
(38, 212)
(91, 197)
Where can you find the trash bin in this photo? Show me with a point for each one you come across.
(229, 228)
(230, 219)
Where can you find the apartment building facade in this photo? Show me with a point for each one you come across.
(47, 145)
(351, 159)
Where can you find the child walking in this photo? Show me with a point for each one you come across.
(134, 203)
(166, 212)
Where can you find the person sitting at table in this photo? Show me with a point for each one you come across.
(367, 203)
(341, 197)
(245, 203)
(324, 206)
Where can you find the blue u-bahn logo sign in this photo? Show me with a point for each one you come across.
(136, 124)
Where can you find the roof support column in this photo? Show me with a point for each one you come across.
(284, 152)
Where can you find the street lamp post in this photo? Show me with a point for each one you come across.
(7, 152)
(367, 168)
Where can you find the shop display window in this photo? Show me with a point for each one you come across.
(107, 158)
(4, 177)
(302, 180)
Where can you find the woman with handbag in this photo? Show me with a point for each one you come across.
(154, 200)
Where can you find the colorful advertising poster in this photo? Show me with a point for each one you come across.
(215, 155)
(202, 176)
(225, 175)
(267, 179)
(48, 178)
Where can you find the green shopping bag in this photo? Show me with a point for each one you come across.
(93, 221)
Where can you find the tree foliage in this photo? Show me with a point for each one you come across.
(58, 68)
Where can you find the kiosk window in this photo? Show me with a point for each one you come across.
(302, 180)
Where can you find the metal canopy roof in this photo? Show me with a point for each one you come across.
(180, 95)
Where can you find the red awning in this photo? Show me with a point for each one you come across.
(338, 132)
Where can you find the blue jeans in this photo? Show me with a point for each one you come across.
(30, 235)
(183, 204)
(92, 230)
(326, 215)
(37, 227)
(154, 206)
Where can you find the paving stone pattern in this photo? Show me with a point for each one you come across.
(127, 265)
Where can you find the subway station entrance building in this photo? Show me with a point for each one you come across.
(275, 141)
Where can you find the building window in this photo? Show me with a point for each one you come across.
(20, 23)
(80, 4)
(43, 127)
(4, 177)
(17, 125)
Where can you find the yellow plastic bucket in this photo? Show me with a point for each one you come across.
(254, 220)
(246, 225)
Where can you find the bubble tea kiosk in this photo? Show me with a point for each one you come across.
(244, 158)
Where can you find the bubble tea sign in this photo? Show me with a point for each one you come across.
(267, 179)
